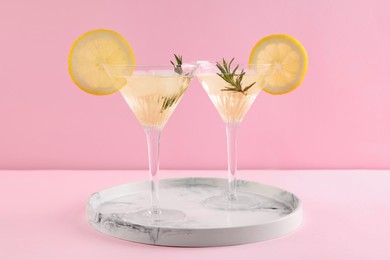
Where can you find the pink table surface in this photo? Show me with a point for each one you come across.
(346, 216)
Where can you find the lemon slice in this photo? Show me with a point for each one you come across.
(282, 60)
(89, 55)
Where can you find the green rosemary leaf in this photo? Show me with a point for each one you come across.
(179, 59)
(240, 76)
(221, 68)
(248, 87)
(229, 89)
(235, 69)
(230, 63)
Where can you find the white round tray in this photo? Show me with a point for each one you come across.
(278, 214)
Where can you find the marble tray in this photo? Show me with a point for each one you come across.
(279, 213)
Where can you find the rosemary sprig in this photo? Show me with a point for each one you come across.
(170, 101)
(177, 67)
(233, 78)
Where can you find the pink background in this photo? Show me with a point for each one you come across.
(338, 118)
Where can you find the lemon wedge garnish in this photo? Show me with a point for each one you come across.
(282, 60)
(89, 55)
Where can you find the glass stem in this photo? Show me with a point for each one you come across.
(231, 132)
(153, 138)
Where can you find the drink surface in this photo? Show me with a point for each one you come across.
(153, 98)
(231, 105)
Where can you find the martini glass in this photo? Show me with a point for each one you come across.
(232, 106)
(152, 93)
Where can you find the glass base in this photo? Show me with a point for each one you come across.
(163, 216)
(242, 201)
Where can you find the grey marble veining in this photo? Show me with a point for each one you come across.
(279, 212)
